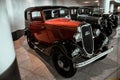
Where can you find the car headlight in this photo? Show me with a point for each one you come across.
(75, 52)
(105, 41)
(78, 35)
(97, 32)
(79, 29)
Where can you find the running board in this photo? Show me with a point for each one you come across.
(84, 63)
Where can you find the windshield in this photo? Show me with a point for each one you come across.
(86, 11)
(97, 10)
(56, 13)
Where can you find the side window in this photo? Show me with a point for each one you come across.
(72, 11)
(55, 14)
(36, 16)
(64, 13)
(81, 11)
(48, 14)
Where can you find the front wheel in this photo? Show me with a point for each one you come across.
(63, 65)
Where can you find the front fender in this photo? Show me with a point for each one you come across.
(68, 48)
(99, 41)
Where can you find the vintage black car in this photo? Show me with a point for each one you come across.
(71, 44)
(94, 16)
(114, 19)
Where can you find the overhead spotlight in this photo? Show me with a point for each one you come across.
(118, 7)
(86, 2)
(96, 1)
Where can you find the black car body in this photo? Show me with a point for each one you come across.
(114, 19)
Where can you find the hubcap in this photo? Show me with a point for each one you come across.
(62, 65)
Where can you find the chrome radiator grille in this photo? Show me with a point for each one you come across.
(88, 44)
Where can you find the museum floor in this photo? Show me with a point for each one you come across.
(34, 67)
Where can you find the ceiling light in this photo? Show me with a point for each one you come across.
(96, 1)
(86, 2)
(118, 7)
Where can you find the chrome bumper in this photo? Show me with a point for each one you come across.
(84, 63)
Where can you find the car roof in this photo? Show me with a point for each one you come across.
(38, 8)
(73, 7)
(83, 7)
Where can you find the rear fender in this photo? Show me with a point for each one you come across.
(27, 32)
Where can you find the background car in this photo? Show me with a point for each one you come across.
(93, 15)
(114, 19)
(71, 44)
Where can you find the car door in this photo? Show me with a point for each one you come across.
(38, 28)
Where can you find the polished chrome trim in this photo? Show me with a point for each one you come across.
(99, 20)
(88, 55)
(84, 63)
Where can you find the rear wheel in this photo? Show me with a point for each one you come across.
(30, 43)
(63, 65)
(29, 39)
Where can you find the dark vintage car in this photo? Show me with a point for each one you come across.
(114, 19)
(95, 16)
(71, 44)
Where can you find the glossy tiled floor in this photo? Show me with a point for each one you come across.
(34, 67)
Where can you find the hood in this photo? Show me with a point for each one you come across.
(59, 22)
(89, 19)
(92, 19)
